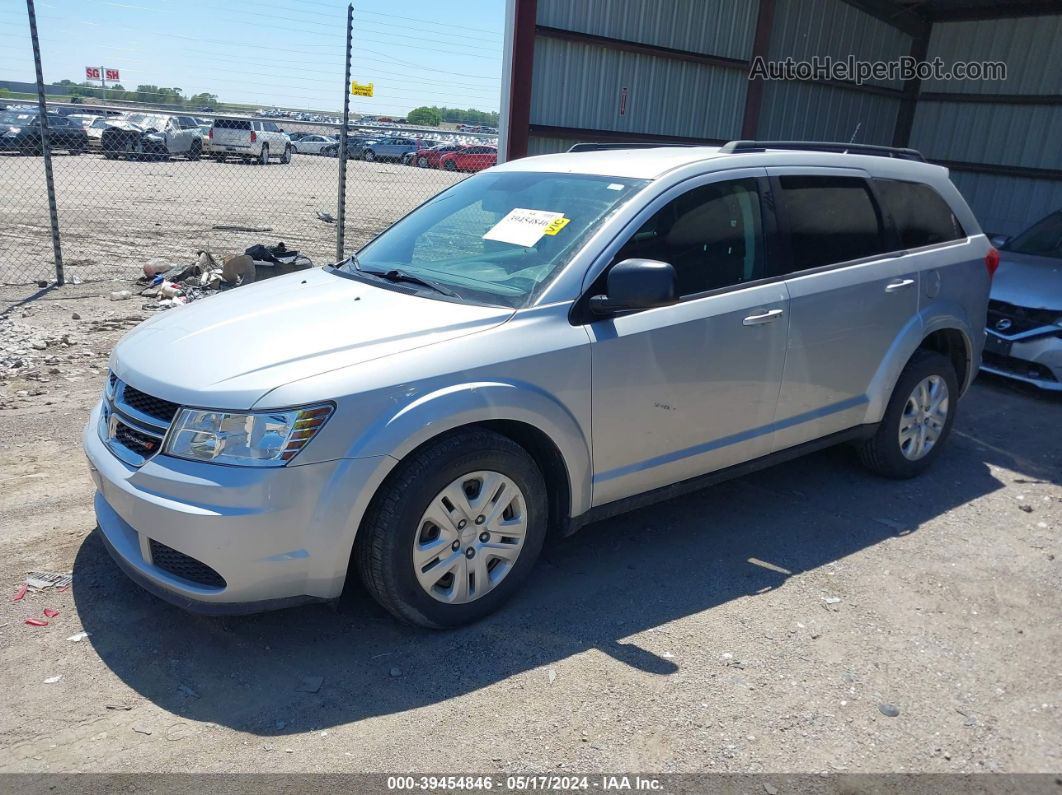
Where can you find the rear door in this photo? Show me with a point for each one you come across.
(851, 292)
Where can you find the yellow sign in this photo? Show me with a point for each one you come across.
(556, 225)
(359, 90)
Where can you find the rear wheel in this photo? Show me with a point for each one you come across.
(286, 157)
(422, 161)
(263, 156)
(454, 530)
(369, 155)
(917, 420)
(450, 165)
(195, 151)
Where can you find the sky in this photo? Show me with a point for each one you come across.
(286, 53)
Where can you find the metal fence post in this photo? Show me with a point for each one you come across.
(341, 208)
(46, 147)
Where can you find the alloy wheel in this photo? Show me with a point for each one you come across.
(923, 418)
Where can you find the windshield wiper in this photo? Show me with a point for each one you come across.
(395, 275)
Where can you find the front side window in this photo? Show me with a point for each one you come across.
(921, 216)
(831, 220)
(711, 236)
(1044, 238)
(497, 238)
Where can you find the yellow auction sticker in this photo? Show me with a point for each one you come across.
(556, 225)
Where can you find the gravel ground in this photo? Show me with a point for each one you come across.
(766, 624)
(116, 214)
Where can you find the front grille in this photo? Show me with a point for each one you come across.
(155, 407)
(1015, 366)
(187, 568)
(1021, 318)
(140, 443)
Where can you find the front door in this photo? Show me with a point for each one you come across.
(686, 389)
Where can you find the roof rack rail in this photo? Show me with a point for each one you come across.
(736, 147)
(597, 146)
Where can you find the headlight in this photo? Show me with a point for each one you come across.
(259, 439)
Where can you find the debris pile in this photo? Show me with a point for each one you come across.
(173, 285)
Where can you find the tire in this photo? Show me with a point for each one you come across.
(286, 157)
(368, 155)
(195, 151)
(77, 151)
(294, 149)
(884, 452)
(422, 162)
(450, 165)
(263, 156)
(393, 525)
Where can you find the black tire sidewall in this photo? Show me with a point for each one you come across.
(399, 543)
(923, 365)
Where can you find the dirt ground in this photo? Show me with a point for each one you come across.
(759, 625)
(116, 214)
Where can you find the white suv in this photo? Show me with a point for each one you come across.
(249, 139)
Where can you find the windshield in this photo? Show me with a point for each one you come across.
(1043, 238)
(14, 117)
(147, 121)
(498, 237)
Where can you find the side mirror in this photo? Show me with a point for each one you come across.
(637, 284)
(998, 240)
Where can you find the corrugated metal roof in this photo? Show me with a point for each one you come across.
(810, 112)
(1030, 46)
(721, 27)
(1007, 205)
(581, 85)
(1013, 135)
(806, 28)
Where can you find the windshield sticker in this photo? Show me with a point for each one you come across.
(523, 227)
(616, 186)
(556, 225)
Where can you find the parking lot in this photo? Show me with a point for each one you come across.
(115, 215)
(761, 625)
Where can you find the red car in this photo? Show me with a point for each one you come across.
(471, 158)
(428, 156)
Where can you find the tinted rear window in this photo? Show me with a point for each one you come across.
(232, 124)
(831, 219)
(921, 216)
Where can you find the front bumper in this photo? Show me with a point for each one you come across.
(276, 536)
(1034, 359)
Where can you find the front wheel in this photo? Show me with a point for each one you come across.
(917, 420)
(195, 151)
(286, 157)
(454, 531)
(450, 165)
(368, 155)
(422, 162)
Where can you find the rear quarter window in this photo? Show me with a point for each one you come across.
(232, 124)
(921, 216)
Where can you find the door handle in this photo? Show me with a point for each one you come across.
(766, 317)
(893, 287)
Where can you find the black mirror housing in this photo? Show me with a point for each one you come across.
(637, 284)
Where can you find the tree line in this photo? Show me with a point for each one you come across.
(161, 95)
(433, 116)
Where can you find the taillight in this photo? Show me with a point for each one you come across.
(210, 134)
(992, 262)
(254, 136)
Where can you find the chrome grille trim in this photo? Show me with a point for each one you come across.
(114, 412)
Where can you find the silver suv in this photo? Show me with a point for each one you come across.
(544, 344)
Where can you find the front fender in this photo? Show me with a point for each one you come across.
(428, 415)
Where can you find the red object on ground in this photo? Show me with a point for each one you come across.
(471, 158)
(36, 622)
(20, 592)
(50, 612)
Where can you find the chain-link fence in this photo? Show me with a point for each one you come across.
(133, 186)
(142, 180)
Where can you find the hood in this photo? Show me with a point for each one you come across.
(230, 349)
(1028, 280)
